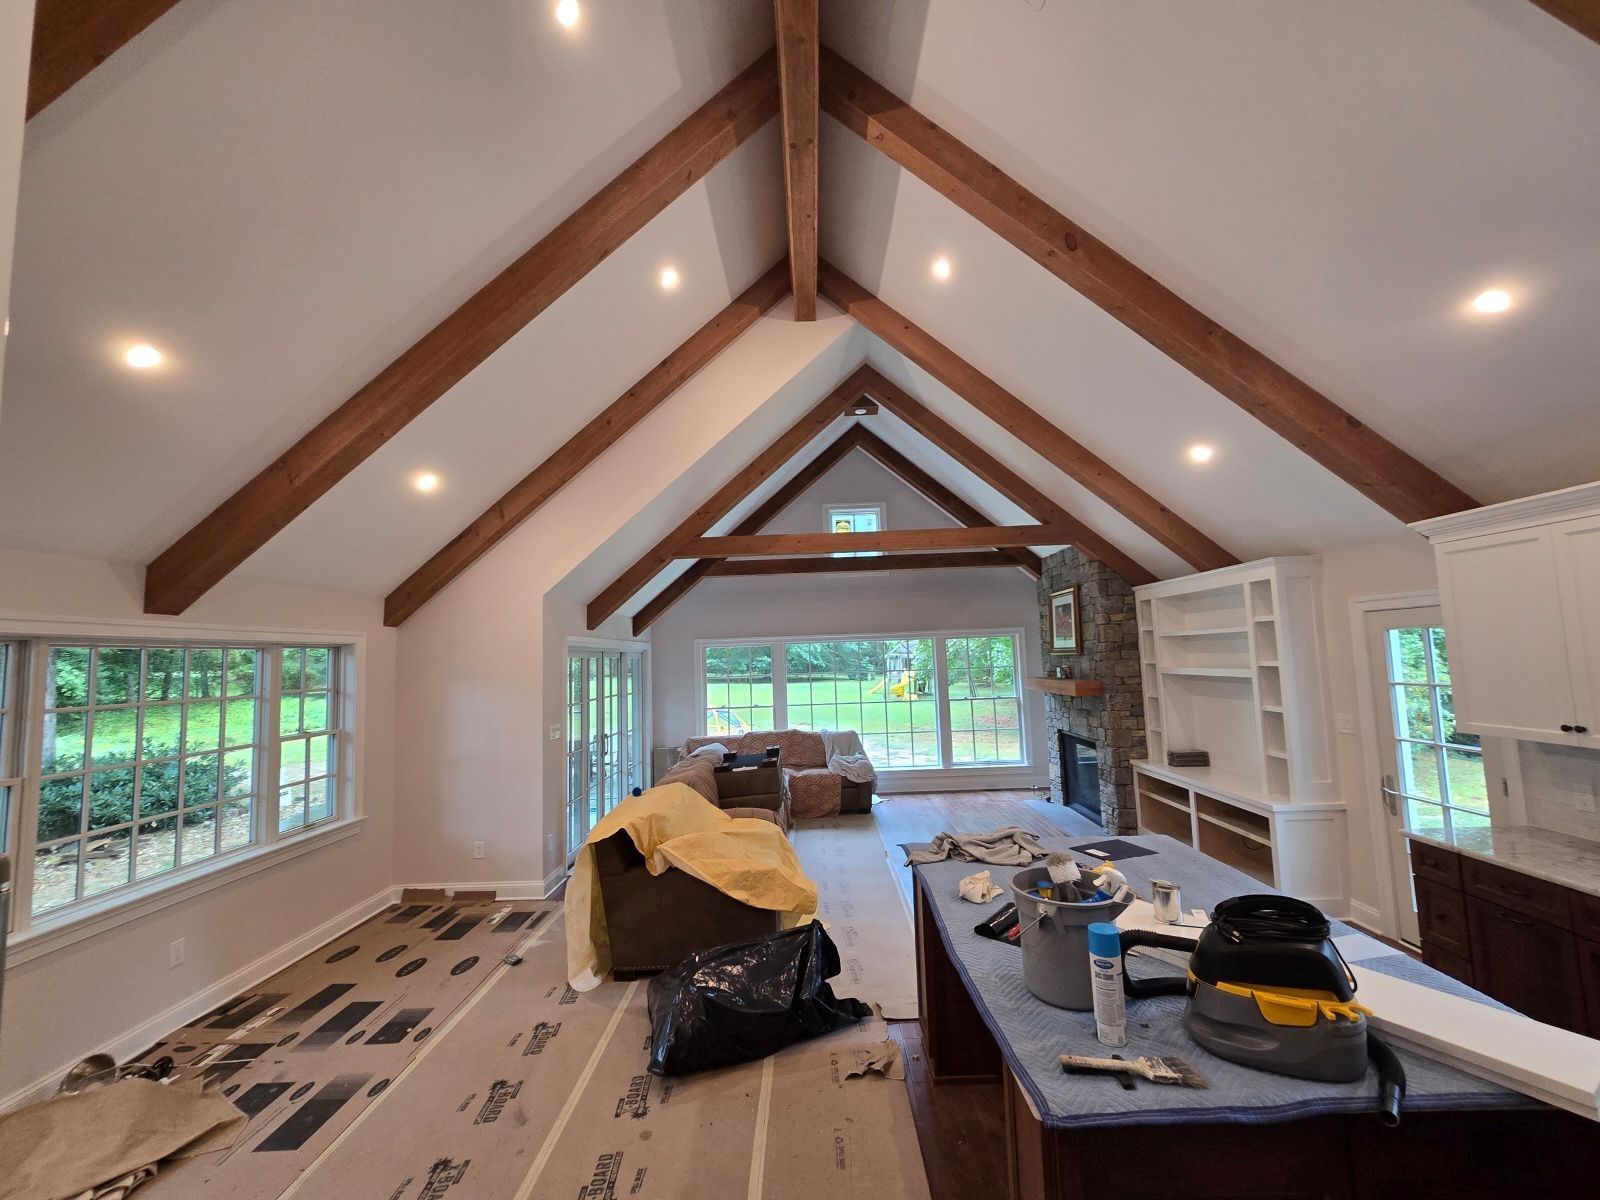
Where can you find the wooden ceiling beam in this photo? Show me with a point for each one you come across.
(344, 439)
(931, 561)
(1582, 15)
(758, 519)
(1287, 405)
(583, 447)
(940, 494)
(999, 476)
(73, 37)
(798, 86)
(961, 537)
(1018, 419)
(759, 469)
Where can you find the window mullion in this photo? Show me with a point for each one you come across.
(941, 696)
(780, 685)
(28, 818)
(271, 745)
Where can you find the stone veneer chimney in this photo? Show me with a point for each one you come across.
(1109, 652)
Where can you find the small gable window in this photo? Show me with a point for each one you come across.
(855, 518)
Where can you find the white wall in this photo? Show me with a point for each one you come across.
(88, 995)
(1389, 567)
(479, 675)
(16, 40)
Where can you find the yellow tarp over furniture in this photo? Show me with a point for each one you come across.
(673, 826)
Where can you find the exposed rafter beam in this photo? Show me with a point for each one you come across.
(914, 476)
(73, 37)
(798, 70)
(997, 475)
(1582, 15)
(1014, 416)
(583, 447)
(963, 537)
(1295, 410)
(789, 443)
(344, 439)
(933, 561)
(789, 491)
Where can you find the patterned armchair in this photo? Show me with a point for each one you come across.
(809, 788)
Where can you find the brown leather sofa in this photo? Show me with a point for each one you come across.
(656, 921)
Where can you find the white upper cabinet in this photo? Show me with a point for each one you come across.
(1520, 585)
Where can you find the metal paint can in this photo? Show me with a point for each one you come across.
(1168, 901)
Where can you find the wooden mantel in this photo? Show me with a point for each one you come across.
(1065, 687)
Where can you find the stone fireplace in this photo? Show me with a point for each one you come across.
(1103, 732)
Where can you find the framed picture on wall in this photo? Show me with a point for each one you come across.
(1064, 626)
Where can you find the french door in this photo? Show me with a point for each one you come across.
(1433, 778)
(605, 735)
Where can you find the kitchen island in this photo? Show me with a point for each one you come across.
(1251, 1133)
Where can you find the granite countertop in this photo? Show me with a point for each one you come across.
(1561, 858)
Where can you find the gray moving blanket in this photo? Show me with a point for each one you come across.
(1012, 846)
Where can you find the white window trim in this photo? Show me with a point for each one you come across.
(87, 918)
(780, 707)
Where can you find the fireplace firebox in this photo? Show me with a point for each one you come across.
(1080, 774)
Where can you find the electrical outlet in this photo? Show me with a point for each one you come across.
(176, 953)
(551, 846)
(477, 849)
(1346, 723)
(555, 733)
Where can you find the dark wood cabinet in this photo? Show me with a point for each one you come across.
(1529, 943)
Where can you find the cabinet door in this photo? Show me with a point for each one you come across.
(1508, 653)
(1589, 966)
(1577, 553)
(1527, 964)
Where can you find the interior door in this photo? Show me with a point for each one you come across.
(1433, 778)
(1577, 546)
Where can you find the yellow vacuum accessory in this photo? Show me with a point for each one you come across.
(1299, 1007)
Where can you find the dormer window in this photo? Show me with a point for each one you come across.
(855, 518)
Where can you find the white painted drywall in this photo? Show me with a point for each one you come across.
(16, 41)
(81, 997)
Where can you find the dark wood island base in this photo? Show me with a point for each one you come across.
(1431, 1156)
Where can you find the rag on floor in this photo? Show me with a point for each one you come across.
(1012, 846)
(674, 826)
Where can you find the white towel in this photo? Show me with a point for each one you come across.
(857, 768)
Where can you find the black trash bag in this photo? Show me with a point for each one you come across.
(743, 1001)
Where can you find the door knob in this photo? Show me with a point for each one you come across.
(1580, 729)
(1568, 729)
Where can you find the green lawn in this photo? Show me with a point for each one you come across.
(896, 732)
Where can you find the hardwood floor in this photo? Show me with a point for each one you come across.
(961, 1127)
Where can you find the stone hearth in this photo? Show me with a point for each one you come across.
(1109, 652)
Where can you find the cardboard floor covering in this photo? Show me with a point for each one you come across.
(858, 899)
(539, 1091)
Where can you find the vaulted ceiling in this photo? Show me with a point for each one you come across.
(285, 196)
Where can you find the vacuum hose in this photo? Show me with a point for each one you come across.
(1391, 1079)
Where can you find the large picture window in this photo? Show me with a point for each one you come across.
(125, 764)
(918, 701)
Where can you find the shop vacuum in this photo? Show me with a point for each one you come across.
(1267, 988)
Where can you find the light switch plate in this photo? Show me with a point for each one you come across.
(555, 733)
(1346, 723)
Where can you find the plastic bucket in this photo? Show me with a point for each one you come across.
(1055, 938)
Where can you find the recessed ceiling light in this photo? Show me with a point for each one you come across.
(861, 412)
(425, 481)
(142, 356)
(941, 268)
(1200, 453)
(567, 12)
(669, 278)
(1494, 300)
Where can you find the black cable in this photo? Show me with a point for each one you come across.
(1391, 1079)
(1270, 919)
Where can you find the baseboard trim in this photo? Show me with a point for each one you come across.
(514, 889)
(553, 880)
(967, 779)
(154, 1028)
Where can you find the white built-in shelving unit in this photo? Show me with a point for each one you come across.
(1231, 664)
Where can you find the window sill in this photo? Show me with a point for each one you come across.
(52, 934)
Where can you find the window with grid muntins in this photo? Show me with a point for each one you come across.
(307, 737)
(147, 762)
(10, 776)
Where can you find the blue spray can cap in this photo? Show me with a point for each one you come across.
(1105, 940)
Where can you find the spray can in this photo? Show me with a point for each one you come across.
(1105, 973)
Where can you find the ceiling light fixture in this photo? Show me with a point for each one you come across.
(941, 268)
(1494, 300)
(669, 278)
(142, 357)
(567, 12)
(425, 481)
(1200, 453)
